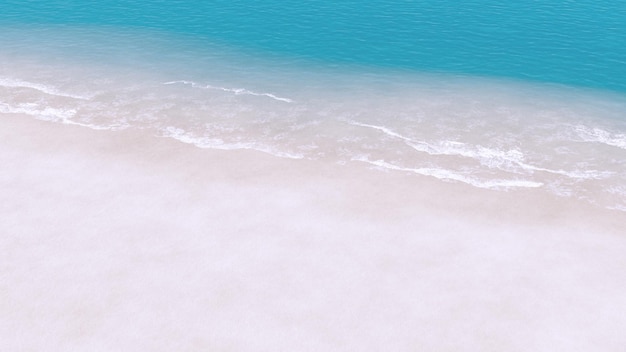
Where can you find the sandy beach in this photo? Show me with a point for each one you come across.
(121, 240)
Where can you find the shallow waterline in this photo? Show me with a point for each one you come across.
(196, 249)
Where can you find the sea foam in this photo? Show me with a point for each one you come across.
(233, 90)
(484, 133)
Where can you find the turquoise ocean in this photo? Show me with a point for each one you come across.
(497, 95)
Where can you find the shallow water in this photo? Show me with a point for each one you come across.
(134, 242)
(472, 95)
(433, 176)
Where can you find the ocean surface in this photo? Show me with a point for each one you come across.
(496, 95)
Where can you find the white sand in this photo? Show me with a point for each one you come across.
(120, 241)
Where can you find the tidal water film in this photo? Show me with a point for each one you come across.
(306, 176)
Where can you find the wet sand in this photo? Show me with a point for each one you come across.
(126, 241)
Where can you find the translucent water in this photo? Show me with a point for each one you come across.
(415, 175)
(495, 96)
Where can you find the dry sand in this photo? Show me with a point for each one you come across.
(122, 241)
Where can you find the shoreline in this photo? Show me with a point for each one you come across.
(191, 166)
(130, 241)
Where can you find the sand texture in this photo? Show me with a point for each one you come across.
(123, 241)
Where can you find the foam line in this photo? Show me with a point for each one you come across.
(580, 174)
(215, 143)
(597, 135)
(15, 83)
(494, 158)
(63, 116)
(34, 110)
(237, 91)
(385, 130)
(449, 147)
(448, 175)
(489, 157)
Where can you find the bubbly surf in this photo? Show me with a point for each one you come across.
(457, 122)
(480, 132)
(312, 176)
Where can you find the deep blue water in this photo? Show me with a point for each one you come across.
(580, 43)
